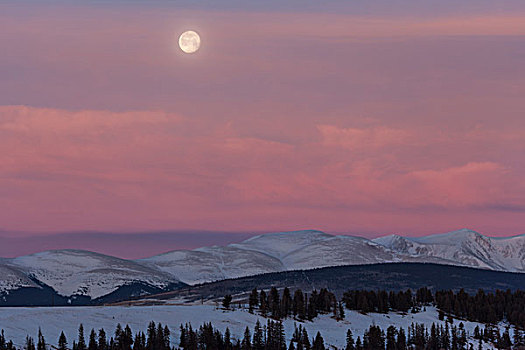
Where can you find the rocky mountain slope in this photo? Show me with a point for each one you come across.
(463, 247)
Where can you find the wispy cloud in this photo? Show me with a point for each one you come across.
(155, 170)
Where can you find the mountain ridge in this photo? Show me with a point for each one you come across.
(73, 272)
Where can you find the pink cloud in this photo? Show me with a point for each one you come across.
(356, 138)
(78, 170)
(472, 184)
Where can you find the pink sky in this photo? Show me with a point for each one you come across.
(343, 122)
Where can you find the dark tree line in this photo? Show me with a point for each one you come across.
(157, 338)
(484, 307)
(380, 301)
(481, 307)
(419, 337)
(272, 337)
(268, 337)
(302, 306)
(4, 344)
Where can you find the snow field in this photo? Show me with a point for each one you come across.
(19, 322)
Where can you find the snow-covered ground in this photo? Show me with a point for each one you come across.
(19, 322)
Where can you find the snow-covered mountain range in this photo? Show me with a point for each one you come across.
(463, 247)
(83, 273)
(77, 272)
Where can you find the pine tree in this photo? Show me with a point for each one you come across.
(286, 303)
(118, 338)
(81, 341)
(274, 303)
(227, 339)
(193, 340)
(246, 340)
(140, 341)
(263, 303)
(318, 343)
(127, 338)
(29, 344)
(167, 338)
(433, 342)
(102, 341)
(391, 342)
(226, 302)
(358, 344)
(269, 335)
(462, 336)
(3, 345)
(298, 305)
(341, 311)
(92, 340)
(445, 340)
(350, 344)
(374, 338)
(41, 344)
(258, 337)
(253, 301)
(62, 342)
(152, 336)
(441, 315)
(305, 340)
(280, 336)
(159, 338)
(401, 343)
(2, 340)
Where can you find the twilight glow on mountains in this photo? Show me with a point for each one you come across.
(350, 117)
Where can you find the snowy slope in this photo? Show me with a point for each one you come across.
(52, 321)
(463, 247)
(77, 272)
(345, 250)
(12, 278)
(213, 263)
(281, 244)
(338, 250)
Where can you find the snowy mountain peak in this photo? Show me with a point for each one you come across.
(280, 244)
(452, 238)
(77, 272)
(389, 240)
(463, 247)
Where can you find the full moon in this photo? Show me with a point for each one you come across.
(189, 41)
